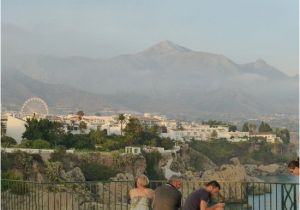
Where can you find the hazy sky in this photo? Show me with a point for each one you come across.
(241, 30)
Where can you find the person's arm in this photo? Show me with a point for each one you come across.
(203, 206)
(129, 196)
(179, 201)
(153, 200)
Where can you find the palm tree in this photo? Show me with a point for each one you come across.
(122, 120)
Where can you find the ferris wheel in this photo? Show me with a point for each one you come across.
(34, 107)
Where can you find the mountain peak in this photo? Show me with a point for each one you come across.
(260, 62)
(165, 47)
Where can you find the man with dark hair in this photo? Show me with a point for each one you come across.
(167, 196)
(198, 199)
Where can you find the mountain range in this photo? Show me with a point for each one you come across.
(165, 78)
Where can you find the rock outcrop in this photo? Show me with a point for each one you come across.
(265, 170)
(189, 159)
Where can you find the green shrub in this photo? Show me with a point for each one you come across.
(40, 144)
(7, 141)
(96, 172)
(11, 183)
(152, 170)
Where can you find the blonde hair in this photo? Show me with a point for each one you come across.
(142, 180)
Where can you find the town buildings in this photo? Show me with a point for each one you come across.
(178, 131)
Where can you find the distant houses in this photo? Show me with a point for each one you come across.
(169, 128)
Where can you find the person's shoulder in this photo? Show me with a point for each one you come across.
(132, 191)
(161, 187)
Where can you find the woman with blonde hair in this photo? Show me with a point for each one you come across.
(141, 196)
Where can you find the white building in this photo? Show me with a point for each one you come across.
(269, 137)
(133, 150)
(14, 127)
(195, 131)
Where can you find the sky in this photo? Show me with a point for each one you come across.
(243, 31)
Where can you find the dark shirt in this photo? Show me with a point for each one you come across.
(167, 197)
(192, 202)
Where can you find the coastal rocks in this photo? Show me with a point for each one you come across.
(123, 177)
(134, 164)
(269, 169)
(74, 175)
(264, 170)
(227, 173)
(189, 159)
(235, 182)
(235, 161)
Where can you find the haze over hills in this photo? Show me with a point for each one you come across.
(167, 78)
(17, 88)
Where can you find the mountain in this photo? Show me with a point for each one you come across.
(17, 88)
(170, 79)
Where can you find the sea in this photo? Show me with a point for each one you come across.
(284, 195)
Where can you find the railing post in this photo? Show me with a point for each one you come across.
(288, 197)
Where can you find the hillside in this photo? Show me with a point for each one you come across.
(167, 78)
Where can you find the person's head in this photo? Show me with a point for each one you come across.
(293, 167)
(142, 181)
(175, 181)
(213, 187)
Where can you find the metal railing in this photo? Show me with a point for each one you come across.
(25, 195)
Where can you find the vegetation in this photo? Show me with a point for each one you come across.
(44, 134)
(220, 151)
(44, 129)
(122, 120)
(249, 127)
(215, 123)
(95, 172)
(18, 165)
(264, 127)
(7, 141)
(284, 134)
(152, 170)
(80, 114)
(14, 187)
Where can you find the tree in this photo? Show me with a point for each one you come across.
(252, 127)
(232, 128)
(80, 114)
(56, 134)
(214, 134)
(133, 130)
(33, 130)
(284, 134)
(164, 129)
(152, 169)
(97, 136)
(122, 120)
(214, 123)
(167, 143)
(40, 144)
(53, 132)
(82, 125)
(83, 142)
(245, 127)
(179, 126)
(264, 127)
(7, 141)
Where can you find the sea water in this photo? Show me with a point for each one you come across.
(284, 193)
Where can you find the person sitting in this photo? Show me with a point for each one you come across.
(200, 198)
(141, 197)
(293, 167)
(167, 196)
